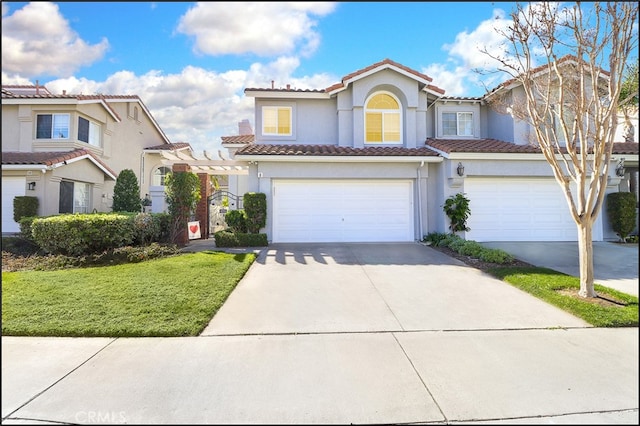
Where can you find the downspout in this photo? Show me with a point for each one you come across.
(420, 199)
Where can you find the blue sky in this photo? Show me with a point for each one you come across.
(190, 62)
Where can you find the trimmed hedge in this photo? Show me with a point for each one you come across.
(240, 239)
(24, 206)
(621, 210)
(255, 207)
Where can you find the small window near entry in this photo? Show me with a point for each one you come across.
(457, 124)
(159, 175)
(276, 121)
(52, 126)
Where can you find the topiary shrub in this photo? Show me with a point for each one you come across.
(24, 206)
(236, 220)
(126, 193)
(621, 211)
(255, 207)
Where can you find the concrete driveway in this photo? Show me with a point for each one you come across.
(325, 288)
(614, 265)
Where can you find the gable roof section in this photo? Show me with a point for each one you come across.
(40, 94)
(52, 160)
(423, 79)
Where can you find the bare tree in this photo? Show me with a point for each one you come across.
(571, 101)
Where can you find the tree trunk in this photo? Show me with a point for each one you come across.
(585, 249)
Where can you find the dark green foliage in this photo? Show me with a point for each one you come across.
(621, 210)
(255, 207)
(126, 193)
(82, 234)
(468, 248)
(457, 209)
(24, 206)
(25, 227)
(237, 220)
(183, 194)
(231, 239)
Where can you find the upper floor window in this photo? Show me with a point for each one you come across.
(383, 119)
(276, 121)
(88, 131)
(52, 126)
(457, 124)
(159, 175)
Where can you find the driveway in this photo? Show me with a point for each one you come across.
(325, 288)
(614, 265)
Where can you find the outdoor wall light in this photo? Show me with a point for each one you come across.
(460, 169)
(620, 168)
(31, 186)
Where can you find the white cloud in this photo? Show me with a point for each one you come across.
(197, 106)
(36, 37)
(274, 28)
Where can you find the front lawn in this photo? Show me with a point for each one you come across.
(170, 296)
(611, 309)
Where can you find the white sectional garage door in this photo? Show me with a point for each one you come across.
(11, 187)
(342, 210)
(519, 209)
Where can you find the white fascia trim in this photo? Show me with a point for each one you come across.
(85, 157)
(383, 67)
(338, 159)
(24, 167)
(104, 105)
(286, 95)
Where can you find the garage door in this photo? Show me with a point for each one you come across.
(342, 211)
(520, 210)
(11, 187)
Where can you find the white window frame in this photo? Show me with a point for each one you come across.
(460, 128)
(81, 197)
(157, 177)
(94, 132)
(276, 109)
(384, 113)
(56, 127)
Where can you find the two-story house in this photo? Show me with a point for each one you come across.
(67, 150)
(374, 157)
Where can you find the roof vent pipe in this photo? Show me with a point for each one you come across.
(272, 84)
(288, 86)
(37, 87)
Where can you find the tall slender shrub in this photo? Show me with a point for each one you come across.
(255, 208)
(183, 194)
(126, 193)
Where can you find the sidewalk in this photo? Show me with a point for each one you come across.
(341, 334)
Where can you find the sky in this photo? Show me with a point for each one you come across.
(190, 62)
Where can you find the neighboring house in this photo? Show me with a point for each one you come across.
(67, 150)
(374, 157)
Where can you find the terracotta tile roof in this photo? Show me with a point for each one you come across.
(49, 158)
(333, 150)
(502, 147)
(245, 139)
(479, 145)
(170, 146)
(355, 74)
(625, 148)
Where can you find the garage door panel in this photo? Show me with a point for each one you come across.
(520, 210)
(12, 186)
(342, 211)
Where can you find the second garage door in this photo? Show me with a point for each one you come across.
(342, 210)
(520, 209)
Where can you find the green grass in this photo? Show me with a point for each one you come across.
(546, 284)
(170, 296)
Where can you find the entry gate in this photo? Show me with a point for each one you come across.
(220, 202)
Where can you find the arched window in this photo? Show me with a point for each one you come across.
(159, 174)
(383, 119)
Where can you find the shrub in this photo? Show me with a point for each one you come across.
(24, 206)
(126, 193)
(182, 190)
(456, 207)
(231, 239)
(146, 228)
(471, 248)
(236, 220)
(255, 207)
(621, 210)
(434, 238)
(80, 234)
(495, 256)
